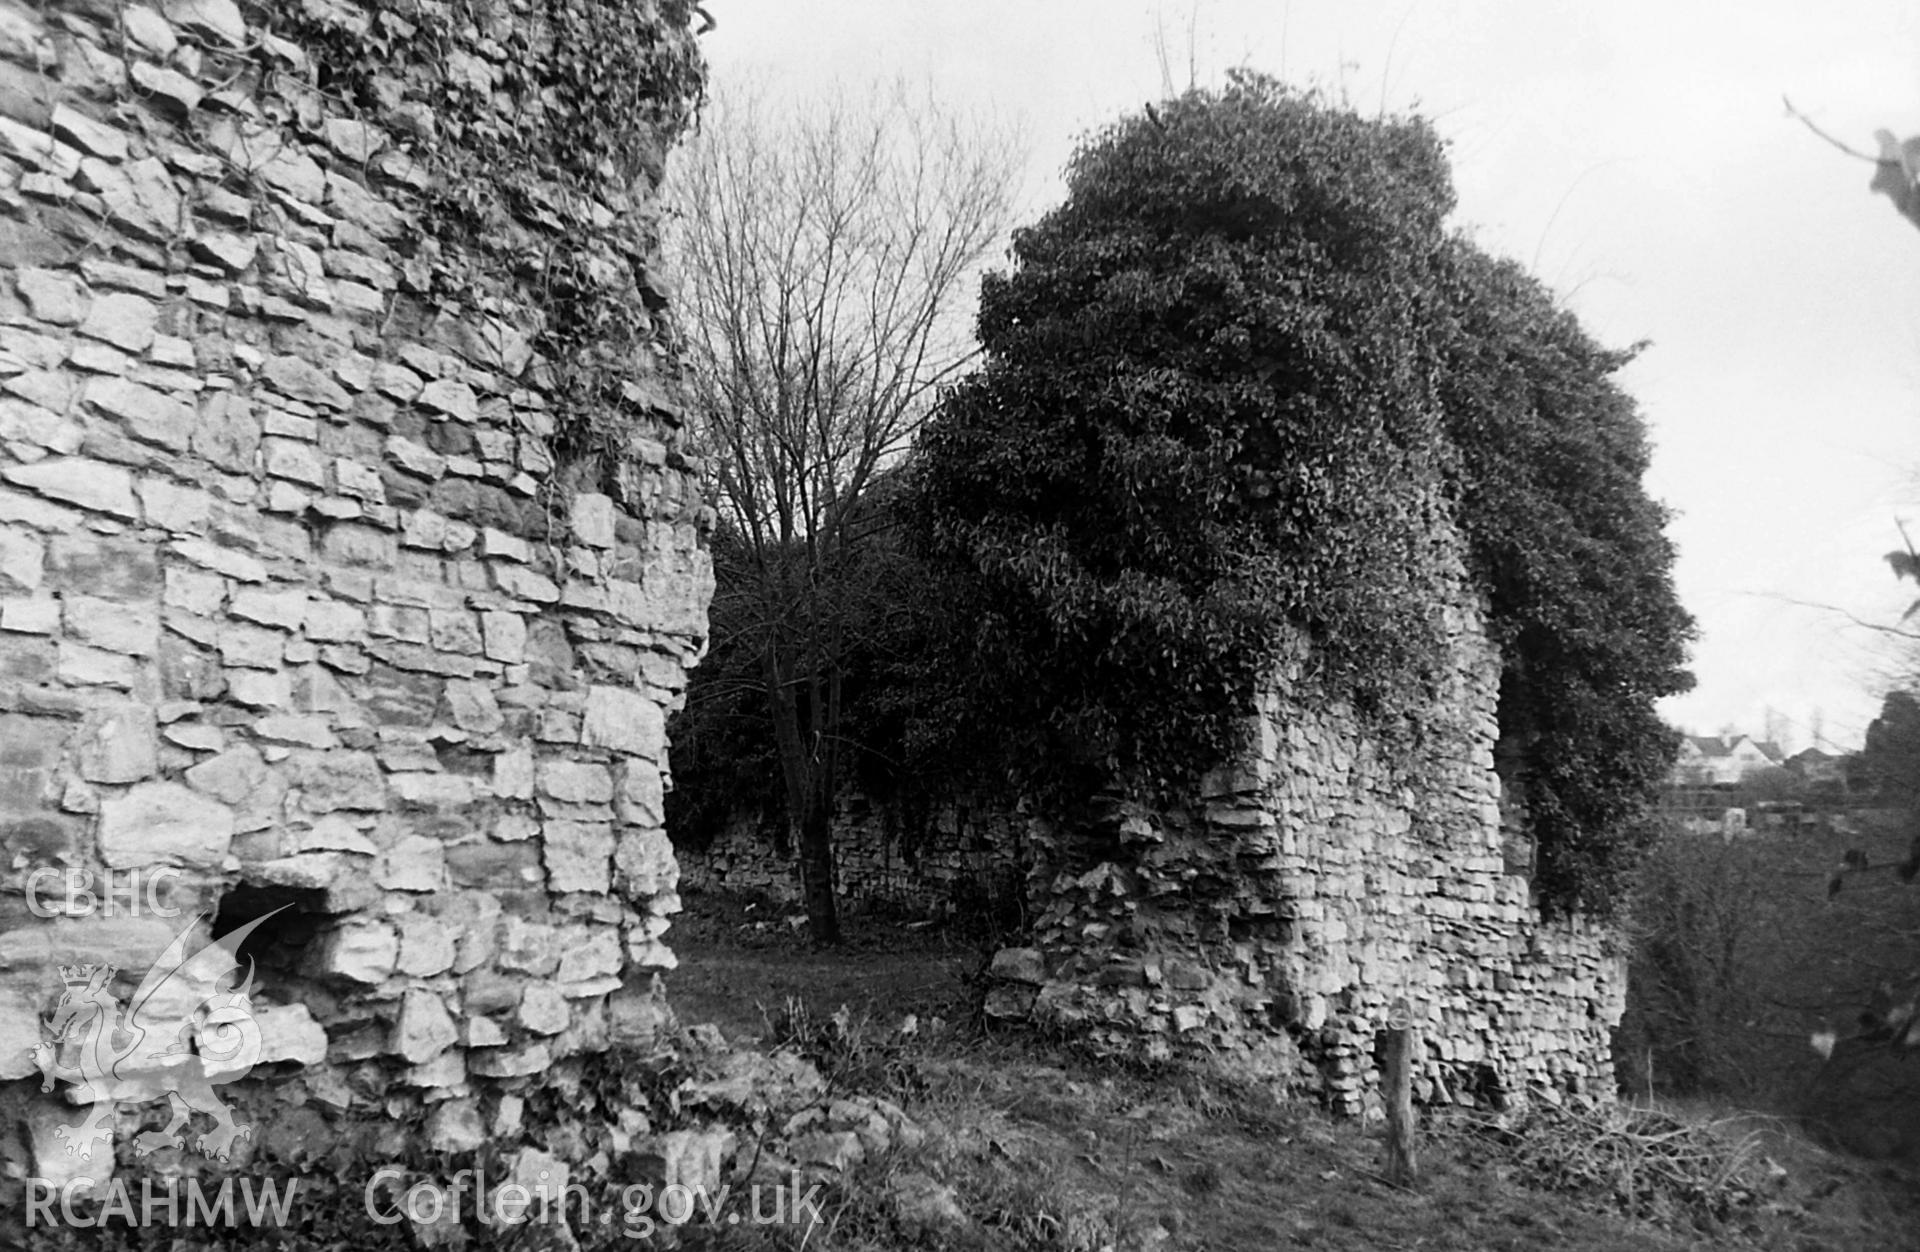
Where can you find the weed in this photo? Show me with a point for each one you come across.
(852, 1053)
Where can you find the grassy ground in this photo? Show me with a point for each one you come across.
(742, 959)
(1043, 1149)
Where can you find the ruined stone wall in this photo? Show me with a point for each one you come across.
(288, 607)
(1322, 876)
(960, 855)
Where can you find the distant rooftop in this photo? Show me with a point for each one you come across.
(1723, 745)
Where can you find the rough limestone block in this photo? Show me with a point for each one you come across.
(304, 731)
(1025, 965)
(227, 432)
(423, 1029)
(124, 320)
(141, 197)
(641, 799)
(535, 1058)
(330, 621)
(451, 397)
(351, 200)
(53, 296)
(363, 952)
(289, 1033)
(284, 610)
(646, 862)
(212, 20)
(455, 1126)
(352, 544)
(453, 630)
(494, 866)
(414, 458)
(624, 720)
(543, 1010)
(590, 953)
(39, 616)
(292, 376)
(132, 629)
(427, 946)
(119, 744)
(591, 518)
(19, 1032)
(416, 863)
(578, 856)
(401, 622)
(164, 823)
(505, 637)
(362, 482)
(22, 559)
(428, 790)
(524, 583)
(305, 871)
(295, 461)
(230, 252)
(182, 510)
(332, 781)
(89, 136)
(473, 707)
(498, 543)
(87, 483)
(576, 782)
(254, 647)
(241, 779)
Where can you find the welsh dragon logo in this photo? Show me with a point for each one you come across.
(186, 1029)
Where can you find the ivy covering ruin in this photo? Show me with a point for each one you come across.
(1231, 386)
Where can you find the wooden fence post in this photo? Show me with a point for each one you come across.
(1402, 1168)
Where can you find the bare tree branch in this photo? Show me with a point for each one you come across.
(827, 254)
(1811, 125)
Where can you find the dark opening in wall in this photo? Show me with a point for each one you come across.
(277, 947)
(1518, 848)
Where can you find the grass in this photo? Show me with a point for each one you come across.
(741, 960)
(1045, 1149)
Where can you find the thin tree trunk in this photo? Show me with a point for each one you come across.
(792, 752)
(816, 868)
(816, 831)
(809, 802)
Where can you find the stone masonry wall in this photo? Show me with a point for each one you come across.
(1269, 927)
(962, 853)
(288, 609)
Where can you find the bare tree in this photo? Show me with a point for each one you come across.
(826, 254)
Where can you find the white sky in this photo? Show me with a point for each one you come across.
(1636, 155)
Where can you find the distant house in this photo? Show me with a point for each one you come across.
(1729, 824)
(1723, 760)
(1815, 766)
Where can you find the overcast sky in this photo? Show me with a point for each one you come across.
(1636, 155)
